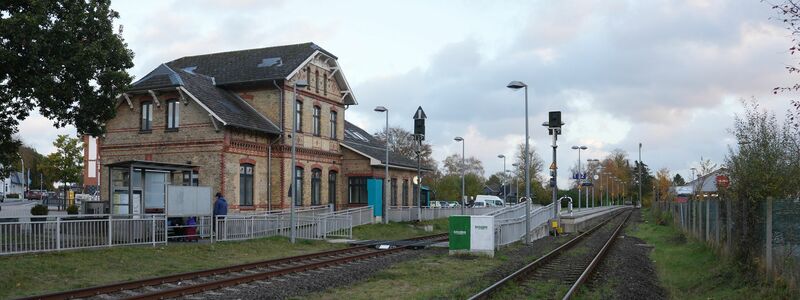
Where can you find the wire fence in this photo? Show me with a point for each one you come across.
(717, 222)
(413, 213)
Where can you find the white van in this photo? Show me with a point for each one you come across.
(488, 201)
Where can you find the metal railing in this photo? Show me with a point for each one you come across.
(512, 229)
(409, 213)
(244, 227)
(53, 233)
(360, 215)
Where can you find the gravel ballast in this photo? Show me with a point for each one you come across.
(627, 271)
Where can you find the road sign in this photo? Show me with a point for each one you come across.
(596, 177)
(723, 181)
(552, 166)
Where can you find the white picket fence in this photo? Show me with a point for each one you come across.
(509, 225)
(27, 234)
(410, 213)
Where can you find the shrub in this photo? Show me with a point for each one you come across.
(72, 209)
(12, 195)
(39, 210)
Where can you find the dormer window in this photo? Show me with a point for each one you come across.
(147, 116)
(308, 78)
(173, 114)
(325, 84)
(316, 82)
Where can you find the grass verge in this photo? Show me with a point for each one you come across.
(435, 276)
(689, 269)
(31, 274)
(398, 231)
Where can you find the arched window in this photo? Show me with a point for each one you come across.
(299, 116)
(316, 82)
(332, 188)
(173, 114)
(246, 184)
(316, 120)
(325, 84)
(316, 187)
(298, 181)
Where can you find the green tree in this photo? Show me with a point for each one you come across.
(452, 165)
(66, 163)
(62, 58)
(402, 142)
(765, 164)
(678, 180)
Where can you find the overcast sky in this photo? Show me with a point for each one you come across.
(669, 74)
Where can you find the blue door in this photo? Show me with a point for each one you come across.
(375, 196)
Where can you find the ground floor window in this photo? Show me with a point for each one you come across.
(405, 192)
(416, 194)
(191, 177)
(357, 188)
(332, 188)
(246, 184)
(298, 182)
(393, 191)
(316, 186)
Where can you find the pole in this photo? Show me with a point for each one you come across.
(555, 179)
(505, 180)
(527, 175)
(384, 210)
(463, 167)
(579, 178)
(294, 168)
(24, 182)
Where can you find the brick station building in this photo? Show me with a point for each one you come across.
(228, 115)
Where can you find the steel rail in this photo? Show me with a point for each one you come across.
(217, 284)
(136, 284)
(596, 260)
(517, 275)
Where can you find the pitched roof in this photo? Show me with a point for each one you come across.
(364, 143)
(229, 108)
(249, 65)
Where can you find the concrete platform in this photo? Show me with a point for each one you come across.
(582, 219)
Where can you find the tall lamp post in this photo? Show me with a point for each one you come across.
(505, 194)
(386, 188)
(515, 85)
(579, 148)
(463, 167)
(293, 233)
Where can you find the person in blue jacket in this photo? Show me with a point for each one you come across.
(220, 207)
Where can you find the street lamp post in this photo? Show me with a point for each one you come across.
(293, 233)
(594, 171)
(384, 210)
(579, 148)
(463, 167)
(518, 85)
(505, 194)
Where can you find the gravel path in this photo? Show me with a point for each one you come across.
(627, 271)
(313, 281)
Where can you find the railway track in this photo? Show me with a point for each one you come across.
(559, 273)
(184, 284)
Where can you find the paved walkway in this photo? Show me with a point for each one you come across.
(22, 208)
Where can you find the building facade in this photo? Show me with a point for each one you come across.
(230, 116)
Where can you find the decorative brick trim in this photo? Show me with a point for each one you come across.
(316, 166)
(248, 207)
(299, 164)
(247, 160)
(166, 144)
(334, 169)
(246, 96)
(148, 156)
(359, 174)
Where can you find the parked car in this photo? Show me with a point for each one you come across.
(488, 201)
(439, 204)
(453, 204)
(34, 195)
